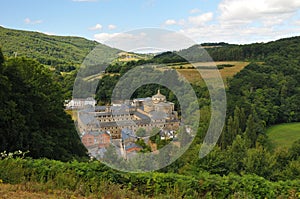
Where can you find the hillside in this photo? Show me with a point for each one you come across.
(289, 47)
(47, 49)
(32, 117)
(258, 51)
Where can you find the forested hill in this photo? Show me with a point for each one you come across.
(289, 47)
(251, 52)
(31, 112)
(47, 49)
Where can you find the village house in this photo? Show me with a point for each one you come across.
(98, 139)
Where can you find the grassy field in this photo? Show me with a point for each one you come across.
(192, 75)
(284, 135)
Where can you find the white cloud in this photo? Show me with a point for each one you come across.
(201, 19)
(96, 27)
(181, 22)
(170, 22)
(102, 37)
(145, 39)
(122, 41)
(109, 37)
(296, 22)
(112, 27)
(245, 11)
(30, 22)
(244, 21)
(194, 11)
(238, 34)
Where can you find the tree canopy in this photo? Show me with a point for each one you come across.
(32, 115)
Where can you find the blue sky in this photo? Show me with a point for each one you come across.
(233, 21)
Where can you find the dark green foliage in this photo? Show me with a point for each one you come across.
(222, 66)
(236, 153)
(214, 163)
(220, 44)
(295, 150)
(228, 52)
(58, 51)
(271, 92)
(267, 92)
(168, 57)
(31, 113)
(146, 147)
(123, 67)
(105, 88)
(88, 178)
(260, 161)
(1, 57)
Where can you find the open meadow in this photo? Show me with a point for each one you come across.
(283, 135)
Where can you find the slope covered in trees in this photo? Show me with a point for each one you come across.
(288, 48)
(32, 116)
(263, 94)
(62, 52)
(269, 92)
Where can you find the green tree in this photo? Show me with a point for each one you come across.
(260, 162)
(141, 132)
(111, 156)
(215, 162)
(251, 133)
(294, 151)
(1, 57)
(235, 154)
(32, 114)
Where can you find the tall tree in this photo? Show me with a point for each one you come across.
(32, 115)
(1, 58)
(236, 153)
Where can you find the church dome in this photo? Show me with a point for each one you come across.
(158, 97)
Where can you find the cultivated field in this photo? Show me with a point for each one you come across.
(193, 76)
(284, 135)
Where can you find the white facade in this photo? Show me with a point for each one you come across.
(80, 103)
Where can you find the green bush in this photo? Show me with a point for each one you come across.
(94, 178)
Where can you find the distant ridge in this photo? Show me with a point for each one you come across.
(48, 49)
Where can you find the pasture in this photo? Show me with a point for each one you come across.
(283, 135)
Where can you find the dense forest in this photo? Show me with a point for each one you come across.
(32, 116)
(61, 54)
(244, 163)
(64, 53)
